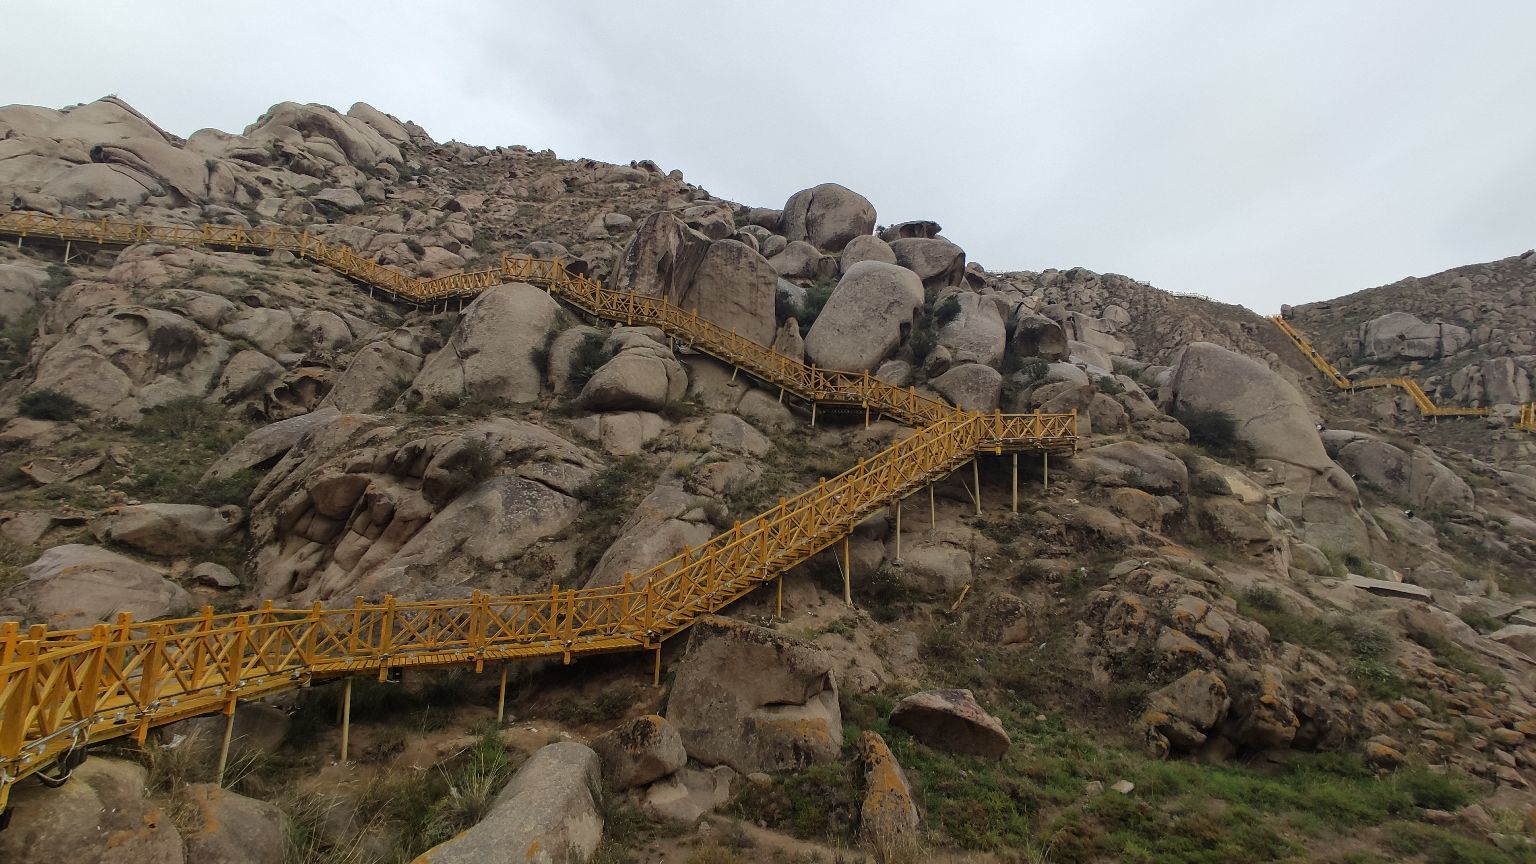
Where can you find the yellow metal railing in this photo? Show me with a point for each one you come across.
(60, 689)
(1421, 400)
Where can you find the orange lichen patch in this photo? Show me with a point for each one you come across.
(888, 816)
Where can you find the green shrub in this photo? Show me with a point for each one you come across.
(590, 355)
(947, 310)
(1109, 386)
(1211, 428)
(1033, 369)
(816, 297)
(49, 404)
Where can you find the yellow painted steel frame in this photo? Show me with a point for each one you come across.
(1421, 400)
(61, 689)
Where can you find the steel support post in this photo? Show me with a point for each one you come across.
(1045, 470)
(656, 669)
(976, 479)
(1015, 482)
(898, 529)
(847, 574)
(933, 510)
(813, 414)
(229, 733)
(779, 613)
(346, 719)
(501, 697)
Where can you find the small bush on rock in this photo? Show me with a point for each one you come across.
(1213, 429)
(591, 354)
(48, 404)
(947, 310)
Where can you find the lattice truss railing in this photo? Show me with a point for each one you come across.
(60, 689)
(1421, 400)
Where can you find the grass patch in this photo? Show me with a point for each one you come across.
(1032, 803)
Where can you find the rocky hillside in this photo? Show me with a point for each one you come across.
(1249, 620)
(1468, 334)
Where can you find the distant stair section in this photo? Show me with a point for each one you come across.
(1421, 400)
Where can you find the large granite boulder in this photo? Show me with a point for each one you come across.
(492, 354)
(102, 816)
(168, 529)
(970, 386)
(76, 585)
(642, 376)
(866, 318)
(865, 248)
(828, 216)
(938, 262)
(755, 699)
(546, 814)
(640, 751)
(975, 332)
(225, 828)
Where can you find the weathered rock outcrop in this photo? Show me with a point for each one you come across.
(353, 507)
(951, 720)
(1399, 335)
(754, 699)
(640, 751)
(546, 814)
(168, 529)
(866, 318)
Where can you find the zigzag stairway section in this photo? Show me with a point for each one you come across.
(61, 690)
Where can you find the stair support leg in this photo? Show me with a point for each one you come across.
(847, 574)
(898, 529)
(1015, 482)
(501, 697)
(976, 480)
(933, 510)
(656, 669)
(346, 719)
(229, 733)
(1045, 470)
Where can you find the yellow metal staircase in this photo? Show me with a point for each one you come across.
(63, 689)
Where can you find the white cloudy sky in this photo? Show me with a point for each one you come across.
(1258, 153)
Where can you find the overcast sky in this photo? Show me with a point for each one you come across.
(1259, 153)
